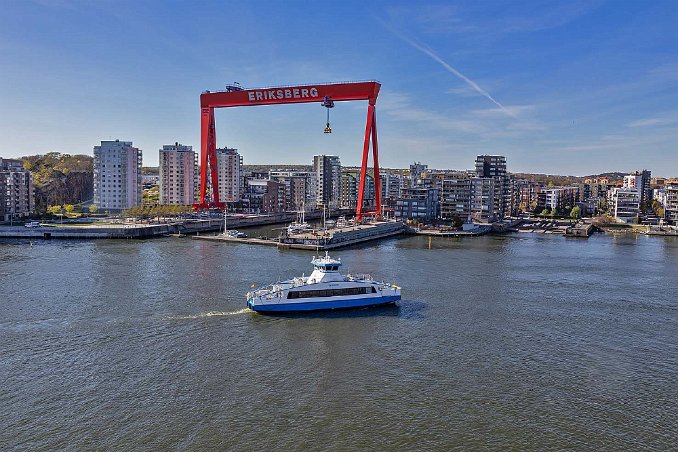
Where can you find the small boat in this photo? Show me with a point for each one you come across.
(235, 234)
(325, 288)
(298, 228)
(232, 233)
(299, 225)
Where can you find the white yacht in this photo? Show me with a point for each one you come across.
(299, 225)
(325, 288)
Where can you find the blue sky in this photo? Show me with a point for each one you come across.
(568, 87)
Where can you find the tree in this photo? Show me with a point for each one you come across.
(69, 208)
(54, 210)
(92, 208)
(554, 212)
(545, 212)
(576, 212)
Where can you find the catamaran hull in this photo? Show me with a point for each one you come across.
(345, 303)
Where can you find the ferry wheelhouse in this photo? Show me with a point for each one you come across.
(325, 288)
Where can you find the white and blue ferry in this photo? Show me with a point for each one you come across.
(325, 288)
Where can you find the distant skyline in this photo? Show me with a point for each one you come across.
(571, 88)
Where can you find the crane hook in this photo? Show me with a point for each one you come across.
(328, 103)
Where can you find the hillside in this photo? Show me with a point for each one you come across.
(60, 178)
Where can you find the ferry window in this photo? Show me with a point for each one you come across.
(374, 290)
(292, 294)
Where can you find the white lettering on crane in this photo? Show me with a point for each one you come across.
(294, 93)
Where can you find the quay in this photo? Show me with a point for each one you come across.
(322, 240)
(137, 230)
(110, 231)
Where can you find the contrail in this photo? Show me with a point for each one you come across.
(426, 50)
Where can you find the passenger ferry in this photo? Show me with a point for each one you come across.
(325, 288)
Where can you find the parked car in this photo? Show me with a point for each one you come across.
(32, 224)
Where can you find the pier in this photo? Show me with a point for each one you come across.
(322, 239)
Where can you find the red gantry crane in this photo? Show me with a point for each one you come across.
(326, 95)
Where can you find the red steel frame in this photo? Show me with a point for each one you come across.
(286, 95)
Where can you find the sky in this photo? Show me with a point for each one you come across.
(558, 87)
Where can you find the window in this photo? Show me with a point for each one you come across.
(329, 292)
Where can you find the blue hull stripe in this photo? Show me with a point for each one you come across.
(328, 304)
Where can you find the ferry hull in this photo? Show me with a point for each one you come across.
(346, 303)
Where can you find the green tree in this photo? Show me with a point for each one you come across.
(69, 208)
(545, 212)
(54, 210)
(92, 208)
(575, 213)
(554, 212)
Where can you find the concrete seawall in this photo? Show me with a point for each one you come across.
(145, 231)
(333, 238)
(123, 231)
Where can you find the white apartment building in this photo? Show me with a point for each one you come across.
(229, 167)
(625, 203)
(327, 170)
(178, 174)
(557, 197)
(391, 185)
(482, 202)
(117, 175)
(16, 190)
(671, 204)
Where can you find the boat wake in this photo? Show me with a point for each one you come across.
(203, 315)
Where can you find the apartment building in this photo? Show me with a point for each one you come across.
(229, 167)
(559, 198)
(178, 166)
(327, 169)
(117, 175)
(17, 198)
(455, 196)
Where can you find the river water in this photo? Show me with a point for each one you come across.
(514, 342)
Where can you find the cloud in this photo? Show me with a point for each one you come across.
(428, 51)
(650, 122)
(513, 111)
(401, 108)
(479, 124)
(665, 72)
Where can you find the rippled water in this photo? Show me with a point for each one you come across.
(520, 342)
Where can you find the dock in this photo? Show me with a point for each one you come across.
(579, 230)
(321, 239)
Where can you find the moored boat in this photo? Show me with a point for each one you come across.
(325, 288)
